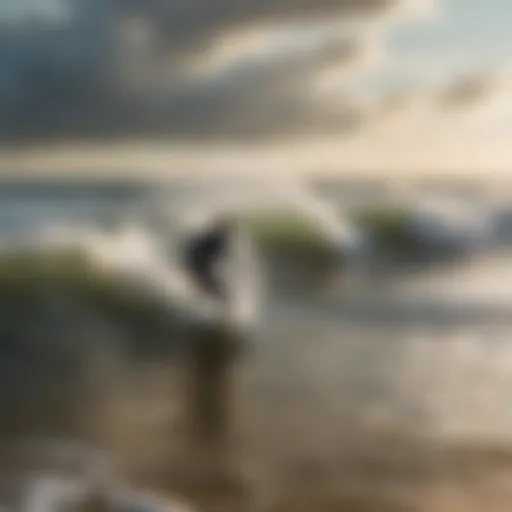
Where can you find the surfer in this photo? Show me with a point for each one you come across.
(202, 254)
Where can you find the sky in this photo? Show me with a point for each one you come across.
(425, 87)
(15, 9)
(464, 34)
(463, 38)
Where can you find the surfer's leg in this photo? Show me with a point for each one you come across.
(207, 281)
(213, 286)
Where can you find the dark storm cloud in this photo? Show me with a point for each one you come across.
(191, 24)
(257, 98)
(64, 81)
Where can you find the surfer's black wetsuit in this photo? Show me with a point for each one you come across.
(202, 252)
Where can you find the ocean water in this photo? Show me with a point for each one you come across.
(425, 356)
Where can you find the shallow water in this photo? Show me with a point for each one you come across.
(421, 358)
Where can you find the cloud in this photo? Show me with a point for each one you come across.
(190, 69)
(186, 25)
(454, 97)
(258, 97)
(468, 91)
